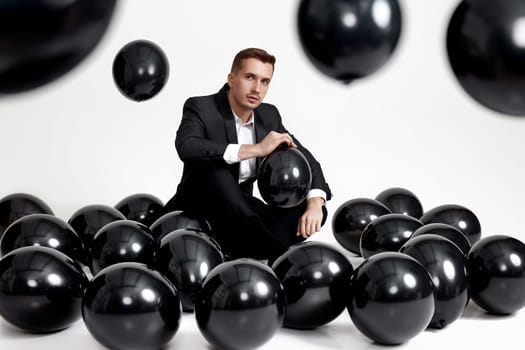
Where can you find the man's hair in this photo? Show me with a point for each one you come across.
(251, 52)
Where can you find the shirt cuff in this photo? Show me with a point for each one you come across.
(316, 192)
(231, 154)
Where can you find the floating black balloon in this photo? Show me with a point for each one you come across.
(447, 231)
(89, 219)
(447, 267)
(17, 205)
(496, 274)
(387, 233)
(349, 39)
(141, 207)
(43, 230)
(121, 241)
(316, 279)
(455, 215)
(485, 42)
(402, 201)
(40, 289)
(176, 220)
(350, 219)
(392, 298)
(186, 257)
(140, 70)
(41, 40)
(284, 177)
(241, 305)
(128, 306)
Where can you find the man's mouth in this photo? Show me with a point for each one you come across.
(253, 99)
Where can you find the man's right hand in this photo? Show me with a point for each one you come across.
(273, 140)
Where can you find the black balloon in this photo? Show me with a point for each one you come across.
(387, 233)
(241, 305)
(455, 215)
(392, 298)
(40, 289)
(447, 231)
(350, 219)
(284, 177)
(41, 40)
(128, 306)
(141, 207)
(485, 44)
(176, 220)
(316, 280)
(349, 39)
(121, 241)
(447, 267)
(496, 272)
(17, 205)
(186, 257)
(140, 70)
(89, 219)
(43, 230)
(402, 201)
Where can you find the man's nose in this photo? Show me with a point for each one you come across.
(256, 86)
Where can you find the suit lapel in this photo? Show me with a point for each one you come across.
(225, 109)
(260, 132)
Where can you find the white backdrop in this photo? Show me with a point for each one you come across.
(78, 141)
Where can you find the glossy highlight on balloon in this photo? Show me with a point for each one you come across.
(241, 305)
(387, 233)
(402, 201)
(128, 306)
(316, 280)
(141, 207)
(284, 177)
(40, 289)
(447, 266)
(392, 298)
(46, 231)
(455, 215)
(485, 45)
(350, 219)
(496, 270)
(17, 205)
(41, 40)
(186, 257)
(349, 39)
(140, 70)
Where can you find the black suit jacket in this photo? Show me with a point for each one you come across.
(206, 129)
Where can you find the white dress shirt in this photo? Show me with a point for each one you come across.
(247, 170)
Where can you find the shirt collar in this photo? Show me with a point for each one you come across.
(239, 121)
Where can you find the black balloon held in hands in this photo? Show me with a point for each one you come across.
(392, 298)
(349, 39)
(241, 305)
(447, 267)
(41, 289)
(284, 177)
(350, 219)
(42, 40)
(316, 280)
(140, 70)
(496, 271)
(485, 43)
(129, 306)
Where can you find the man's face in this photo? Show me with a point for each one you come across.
(249, 85)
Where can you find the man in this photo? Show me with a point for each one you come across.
(221, 140)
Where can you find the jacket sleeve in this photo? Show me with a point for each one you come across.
(318, 179)
(193, 141)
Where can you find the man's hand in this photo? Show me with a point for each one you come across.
(272, 141)
(310, 221)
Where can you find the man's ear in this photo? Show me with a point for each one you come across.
(230, 78)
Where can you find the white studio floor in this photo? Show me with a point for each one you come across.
(475, 329)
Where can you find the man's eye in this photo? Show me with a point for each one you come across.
(249, 77)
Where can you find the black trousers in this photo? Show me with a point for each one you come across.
(242, 224)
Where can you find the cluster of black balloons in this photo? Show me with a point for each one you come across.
(420, 269)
